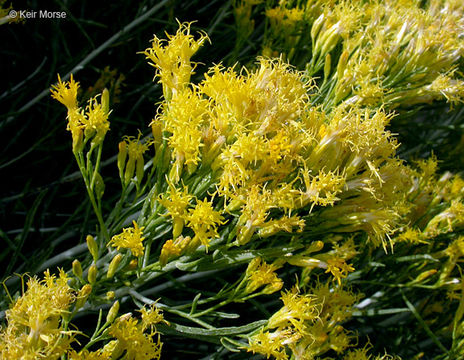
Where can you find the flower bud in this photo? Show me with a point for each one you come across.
(234, 205)
(113, 266)
(327, 66)
(105, 101)
(245, 233)
(157, 131)
(176, 169)
(330, 38)
(424, 275)
(306, 262)
(211, 152)
(122, 155)
(77, 268)
(110, 295)
(113, 312)
(315, 247)
(77, 141)
(99, 185)
(82, 296)
(253, 265)
(133, 264)
(273, 287)
(177, 227)
(92, 246)
(130, 169)
(317, 25)
(191, 168)
(169, 249)
(92, 275)
(114, 348)
(342, 62)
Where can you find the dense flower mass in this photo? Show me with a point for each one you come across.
(36, 322)
(275, 152)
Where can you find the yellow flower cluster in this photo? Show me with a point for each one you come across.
(176, 202)
(259, 274)
(271, 151)
(37, 320)
(130, 238)
(307, 325)
(339, 268)
(248, 153)
(91, 123)
(104, 354)
(173, 59)
(436, 204)
(203, 219)
(393, 52)
(132, 339)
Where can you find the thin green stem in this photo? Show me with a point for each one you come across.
(97, 166)
(96, 207)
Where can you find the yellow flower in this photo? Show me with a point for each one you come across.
(357, 354)
(151, 316)
(176, 202)
(76, 125)
(268, 344)
(173, 248)
(168, 250)
(203, 219)
(339, 268)
(322, 188)
(285, 223)
(172, 58)
(259, 274)
(412, 236)
(93, 122)
(296, 310)
(130, 238)
(96, 121)
(66, 92)
(184, 117)
(35, 321)
(447, 220)
(132, 340)
(89, 355)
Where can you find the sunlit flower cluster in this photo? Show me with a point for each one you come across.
(290, 178)
(84, 124)
(130, 238)
(37, 320)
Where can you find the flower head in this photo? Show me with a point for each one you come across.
(259, 274)
(203, 219)
(132, 339)
(66, 92)
(151, 316)
(130, 238)
(172, 58)
(91, 122)
(35, 321)
(338, 268)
